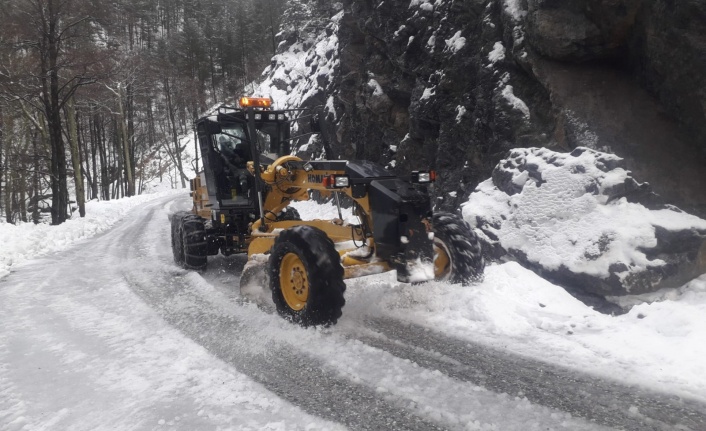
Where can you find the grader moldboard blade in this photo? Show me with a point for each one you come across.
(254, 283)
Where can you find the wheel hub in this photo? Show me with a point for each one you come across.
(294, 282)
(442, 261)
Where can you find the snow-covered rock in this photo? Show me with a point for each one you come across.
(301, 76)
(581, 220)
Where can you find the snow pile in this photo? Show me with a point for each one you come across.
(658, 344)
(507, 93)
(310, 210)
(497, 54)
(27, 241)
(575, 218)
(516, 14)
(455, 43)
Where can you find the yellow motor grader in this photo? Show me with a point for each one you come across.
(240, 205)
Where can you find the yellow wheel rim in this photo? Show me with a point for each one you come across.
(294, 281)
(442, 262)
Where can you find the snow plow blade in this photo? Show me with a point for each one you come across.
(254, 283)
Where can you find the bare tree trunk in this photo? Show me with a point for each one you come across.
(117, 141)
(9, 177)
(75, 157)
(22, 198)
(130, 99)
(272, 29)
(212, 69)
(35, 183)
(125, 141)
(105, 182)
(83, 152)
(196, 150)
(94, 151)
(50, 83)
(177, 147)
(2, 160)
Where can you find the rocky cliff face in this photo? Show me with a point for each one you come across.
(455, 84)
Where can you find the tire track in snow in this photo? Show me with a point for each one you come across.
(86, 353)
(296, 377)
(327, 374)
(323, 372)
(253, 343)
(599, 400)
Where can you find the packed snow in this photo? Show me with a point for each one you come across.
(460, 112)
(514, 9)
(24, 241)
(375, 86)
(497, 54)
(455, 43)
(657, 344)
(428, 93)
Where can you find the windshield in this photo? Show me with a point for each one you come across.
(232, 142)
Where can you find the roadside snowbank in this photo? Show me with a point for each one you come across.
(581, 220)
(658, 344)
(24, 241)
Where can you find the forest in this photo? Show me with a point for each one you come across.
(94, 95)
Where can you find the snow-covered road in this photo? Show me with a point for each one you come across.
(111, 334)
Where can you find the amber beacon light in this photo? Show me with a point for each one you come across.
(255, 102)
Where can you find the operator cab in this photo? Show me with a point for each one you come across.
(226, 149)
(234, 149)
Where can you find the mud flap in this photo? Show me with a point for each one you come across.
(254, 283)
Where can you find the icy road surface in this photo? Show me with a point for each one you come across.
(112, 335)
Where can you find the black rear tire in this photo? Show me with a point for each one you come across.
(194, 242)
(177, 240)
(455, 239)
(306, 277)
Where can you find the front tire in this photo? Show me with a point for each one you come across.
(458, 256)
(306, 277)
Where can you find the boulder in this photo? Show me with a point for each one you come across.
(581, 30)
(582, 221)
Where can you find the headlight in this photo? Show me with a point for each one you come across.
(423, 177)
(341, 181)
(336, 181)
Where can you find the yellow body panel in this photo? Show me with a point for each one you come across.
(199, 195)
(262, 241)
(283, 187)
